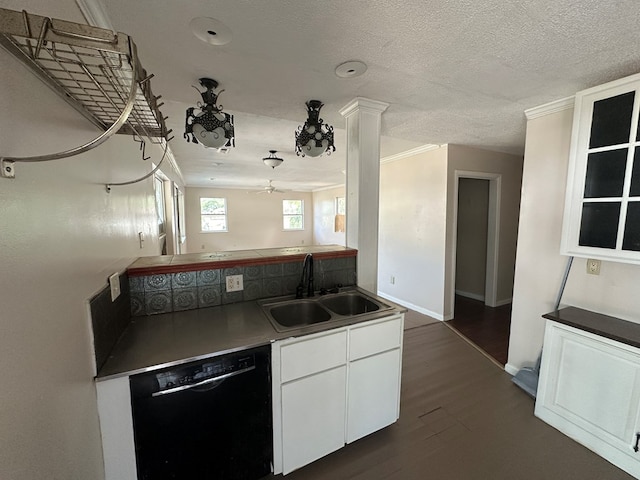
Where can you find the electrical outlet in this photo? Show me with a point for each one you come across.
(234, 283)
(593, 266)
(392, 280)
(114, 283)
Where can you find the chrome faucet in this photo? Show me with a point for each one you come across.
(307, 277)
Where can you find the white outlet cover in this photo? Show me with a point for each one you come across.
(114, 284)
(593, 266)
(234, 283)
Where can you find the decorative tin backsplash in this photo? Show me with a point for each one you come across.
(188, 290)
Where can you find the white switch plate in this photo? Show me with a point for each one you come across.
(593, 266)
(234, 283)
(114, 283)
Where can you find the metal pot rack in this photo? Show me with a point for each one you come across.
(95, 70)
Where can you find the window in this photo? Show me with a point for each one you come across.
(293, 214)
(341, 210)
(602, 212)
(161, 213)
(213, 214)
(160, 210)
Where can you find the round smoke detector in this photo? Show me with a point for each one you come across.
(210, 30)
(350, 69)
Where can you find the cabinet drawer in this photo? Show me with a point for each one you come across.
(312, 355)
(370, 338)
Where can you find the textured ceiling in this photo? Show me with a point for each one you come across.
(452, 71)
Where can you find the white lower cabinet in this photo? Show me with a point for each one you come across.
(313, 415)
(373, 400)
(589, 389)
(333, 387)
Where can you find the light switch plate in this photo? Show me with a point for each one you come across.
(114, 283)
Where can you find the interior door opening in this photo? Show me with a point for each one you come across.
(471, 245)
(477, 313)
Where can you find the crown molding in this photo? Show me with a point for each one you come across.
(549, 108)
(410, 153)
(361, 103)
(95, 14)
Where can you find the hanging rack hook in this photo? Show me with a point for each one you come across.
(143, 145)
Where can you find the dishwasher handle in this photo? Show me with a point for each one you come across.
(181, 388)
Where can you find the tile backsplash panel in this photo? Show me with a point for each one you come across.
(188, 290)
(109, 319)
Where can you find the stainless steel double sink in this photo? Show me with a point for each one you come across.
(287, 313)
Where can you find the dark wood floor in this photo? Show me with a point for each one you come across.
(461, 419)
(486, 327)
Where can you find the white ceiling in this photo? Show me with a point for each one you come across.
(453, 71)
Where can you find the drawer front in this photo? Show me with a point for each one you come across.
(308, 356)
(370, 338)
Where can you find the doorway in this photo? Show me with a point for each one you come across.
(476, 310)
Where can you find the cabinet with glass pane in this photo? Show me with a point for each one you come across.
(602, 209)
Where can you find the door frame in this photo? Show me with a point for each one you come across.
(493, 236)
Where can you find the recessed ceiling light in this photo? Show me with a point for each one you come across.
(350, 69)
(210, 30)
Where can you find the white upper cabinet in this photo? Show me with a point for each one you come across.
(602, 208)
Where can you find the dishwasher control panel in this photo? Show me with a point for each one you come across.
(202, 372)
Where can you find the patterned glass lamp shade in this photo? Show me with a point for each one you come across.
(212, 127)
(314, 137)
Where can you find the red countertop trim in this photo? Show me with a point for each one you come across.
(173, 264)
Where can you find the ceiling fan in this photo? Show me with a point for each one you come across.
(270, 189)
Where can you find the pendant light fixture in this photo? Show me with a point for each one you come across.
(272, 160)
(314, 137)
(212, 127)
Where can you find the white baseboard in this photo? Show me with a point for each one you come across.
(473, 296)
(411, 306)
(511, 369)
(506, 301)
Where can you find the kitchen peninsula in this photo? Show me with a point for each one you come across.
(356, 349)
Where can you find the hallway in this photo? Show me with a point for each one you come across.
(486, 327)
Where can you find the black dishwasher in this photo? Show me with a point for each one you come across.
(208, 419)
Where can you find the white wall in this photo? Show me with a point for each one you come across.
(471, 243)
(539, 266)
(61, 235)
(253, 221)
(412, 230)
(324, 216)
(417, 198)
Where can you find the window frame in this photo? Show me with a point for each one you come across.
(291, 215)
(224, 216)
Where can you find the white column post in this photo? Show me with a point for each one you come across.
(363, 185)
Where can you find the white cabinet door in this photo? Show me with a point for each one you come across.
(313, 417)
(373, 393)
(602, 206)
(590, 390)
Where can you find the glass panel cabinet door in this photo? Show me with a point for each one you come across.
(602, 209)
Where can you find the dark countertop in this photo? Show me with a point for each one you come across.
(158, 341)
(613, 328)
(227, 259)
